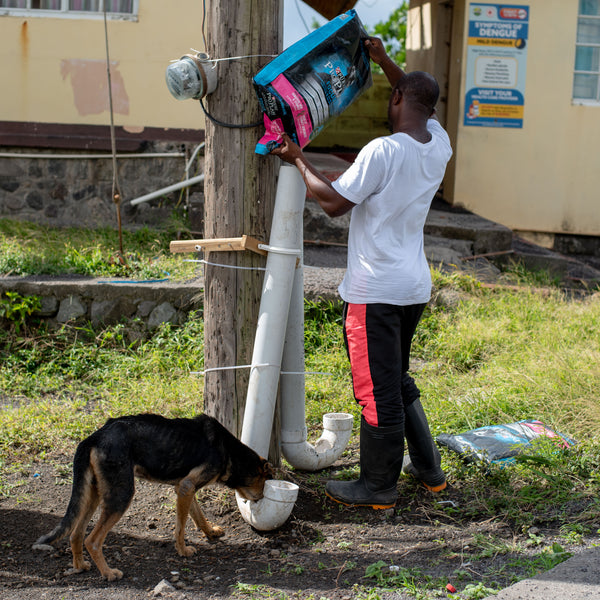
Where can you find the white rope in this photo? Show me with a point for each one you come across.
(231, 368)
(244, 56)
(212, 369)
(224, 266)
(215, 60)
(197, 260)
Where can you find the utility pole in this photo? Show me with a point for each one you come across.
(239, 196)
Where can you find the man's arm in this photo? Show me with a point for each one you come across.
(332, 202)
(379, 56)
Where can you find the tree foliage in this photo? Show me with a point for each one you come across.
(393, 34)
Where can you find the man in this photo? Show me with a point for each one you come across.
(389, 189)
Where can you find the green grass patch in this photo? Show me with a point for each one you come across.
(30, 249)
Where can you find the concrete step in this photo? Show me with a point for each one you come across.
(485, 235)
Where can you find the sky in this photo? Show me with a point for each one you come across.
(298, 17)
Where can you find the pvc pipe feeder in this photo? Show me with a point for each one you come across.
(279, 496)
(279, 340)
(337, 426)
(273, 312)
(337, 429)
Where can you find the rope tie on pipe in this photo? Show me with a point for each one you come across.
(278, 250)
(234, 267)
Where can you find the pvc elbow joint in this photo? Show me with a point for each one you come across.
(337, 429)
(273, 509)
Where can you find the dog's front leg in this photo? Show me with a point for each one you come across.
(211, 531)
(185, 495)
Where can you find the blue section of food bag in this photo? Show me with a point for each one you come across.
(301, 48)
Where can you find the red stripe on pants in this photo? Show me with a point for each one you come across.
(358, 350)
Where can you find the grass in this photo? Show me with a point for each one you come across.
(30, 249)
(500, 355)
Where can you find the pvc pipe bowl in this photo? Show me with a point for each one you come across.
(273, 509)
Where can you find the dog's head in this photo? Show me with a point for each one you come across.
(251, 485)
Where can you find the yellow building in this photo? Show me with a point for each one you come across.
(521, 85)
(55, 82)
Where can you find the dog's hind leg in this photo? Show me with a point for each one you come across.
(115, 485)
(95, 541)
(91, 502)
(210, 531)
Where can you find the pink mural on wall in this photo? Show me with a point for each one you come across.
(89, 82)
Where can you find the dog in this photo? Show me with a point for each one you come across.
(186, 453)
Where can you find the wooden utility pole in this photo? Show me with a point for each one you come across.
(239, 196)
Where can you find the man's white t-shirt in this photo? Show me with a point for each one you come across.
(392, 182)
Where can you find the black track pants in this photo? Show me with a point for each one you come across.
(378, 339)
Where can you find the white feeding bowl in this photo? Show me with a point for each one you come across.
(273, 509)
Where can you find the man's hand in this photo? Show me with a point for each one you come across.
(379, 56)
(376, 50)
(288, 151)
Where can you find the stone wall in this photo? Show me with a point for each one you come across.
(43, 187)
(106, 302)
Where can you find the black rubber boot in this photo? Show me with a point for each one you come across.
(425, 460)
(381, 455)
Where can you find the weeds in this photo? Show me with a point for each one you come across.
(393, 577)
(16, 308)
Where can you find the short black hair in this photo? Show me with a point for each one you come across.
(419, 89)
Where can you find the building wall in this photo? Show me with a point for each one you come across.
(54, 69)
(543, 177)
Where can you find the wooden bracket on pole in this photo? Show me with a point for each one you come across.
(218, 245)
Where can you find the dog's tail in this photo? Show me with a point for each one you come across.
(83, 478)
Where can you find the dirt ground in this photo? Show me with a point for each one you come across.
(322, 551)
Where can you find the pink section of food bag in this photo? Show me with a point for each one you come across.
(299, 109)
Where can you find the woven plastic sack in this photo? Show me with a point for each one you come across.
(500, 443)
(313, 81)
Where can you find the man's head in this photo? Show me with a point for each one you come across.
(418, 92)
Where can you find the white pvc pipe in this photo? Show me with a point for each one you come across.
(169, 189)
(279, 341)
(273, 509)
(94, 156)
(267, 513)
(337, 426)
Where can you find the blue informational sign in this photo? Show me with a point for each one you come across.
(496, 65)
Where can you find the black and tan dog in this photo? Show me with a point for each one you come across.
(186, 453)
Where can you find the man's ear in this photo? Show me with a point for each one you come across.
(396, 96)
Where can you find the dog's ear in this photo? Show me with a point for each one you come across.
(267, 469)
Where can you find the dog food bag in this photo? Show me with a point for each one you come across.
(313, 81)
(501, 443)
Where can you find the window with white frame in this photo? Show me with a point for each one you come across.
(586, 83)
(70, 8)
